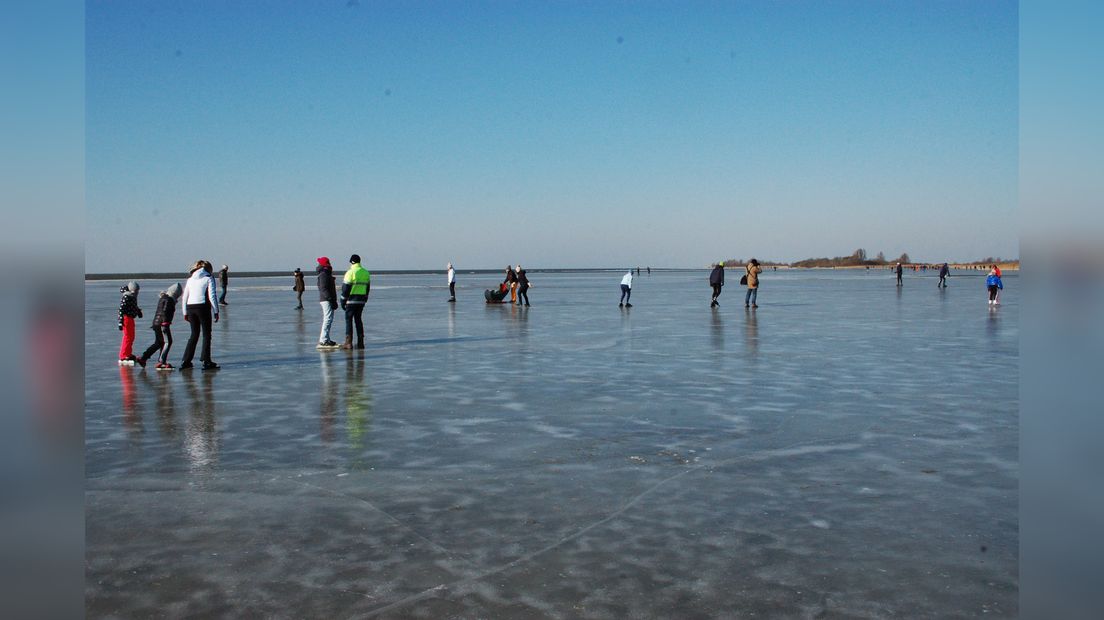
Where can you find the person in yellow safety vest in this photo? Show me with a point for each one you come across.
(354, 294)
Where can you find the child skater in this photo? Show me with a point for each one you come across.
(128, 309)
(162, 328)
(994, 284)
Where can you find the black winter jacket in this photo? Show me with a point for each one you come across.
(128, 306)
(166, 308)
(716, 276)
(327, 289)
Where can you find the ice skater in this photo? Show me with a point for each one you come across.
(451, 274)
(752, 270)
(162, 328)
(200, 309)
(299, 286)
(224, 280)
(355, 288)
(327, 296)
(626, 290)
(716, 280)
(944, 271)
(523, 286)
(511, 283)
(128, 311)
(900, 272)
(994, 284)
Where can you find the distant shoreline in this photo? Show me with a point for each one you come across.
(166, 275)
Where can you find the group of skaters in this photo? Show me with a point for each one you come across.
(517, 283)
(993, 282)
(750, 279)
(355, 287)
(202, 295)
(201, 299)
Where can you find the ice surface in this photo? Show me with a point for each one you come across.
(848, 449)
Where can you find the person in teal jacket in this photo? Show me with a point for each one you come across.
(354, 294)
(994, 284)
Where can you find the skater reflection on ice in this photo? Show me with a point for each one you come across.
(201, 441)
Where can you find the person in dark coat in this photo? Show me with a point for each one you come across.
(162, 328)
(299, 286)
(327, 296)
(523, 286)
(224, 279)
(716, 280)
(511, 283)
(944, 271)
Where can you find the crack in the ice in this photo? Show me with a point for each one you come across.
(776, 452)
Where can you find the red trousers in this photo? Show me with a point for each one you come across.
(127, 348)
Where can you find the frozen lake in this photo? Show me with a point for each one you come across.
(848, 449)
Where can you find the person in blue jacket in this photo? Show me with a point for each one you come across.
(994, 284)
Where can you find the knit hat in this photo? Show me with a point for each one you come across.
(132, 287)
(174, 291)
(324, 261)
(355, 258)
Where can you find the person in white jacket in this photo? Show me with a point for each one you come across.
(626, 290)
(452, 282)
(200, 307)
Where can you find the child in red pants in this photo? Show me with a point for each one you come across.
(128, 310)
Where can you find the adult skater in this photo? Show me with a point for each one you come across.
(299, 286)
(452, 283)
(753, 270)
(224, 279)
(716, 280)
(327, 297)
(944, 271)
(354, 294)
(900, 272)
(200, 308)
(523, 286)
(511, 283)
(626, 290)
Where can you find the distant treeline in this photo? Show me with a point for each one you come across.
(859, 258)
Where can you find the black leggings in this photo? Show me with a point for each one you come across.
(716, 291)
(199, 319)
(523, 293)
(160, 341)
(452, 290)
(993, 292)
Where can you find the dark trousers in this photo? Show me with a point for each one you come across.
(942, 281)
(222, 295)
(626, 292)
(353, 314)
(898, 279)
(993, 292)
(716, 291)
(452, 290)
(523, 293)
(199, 319)
(160, 341)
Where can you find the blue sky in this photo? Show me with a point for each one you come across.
(264, 134)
